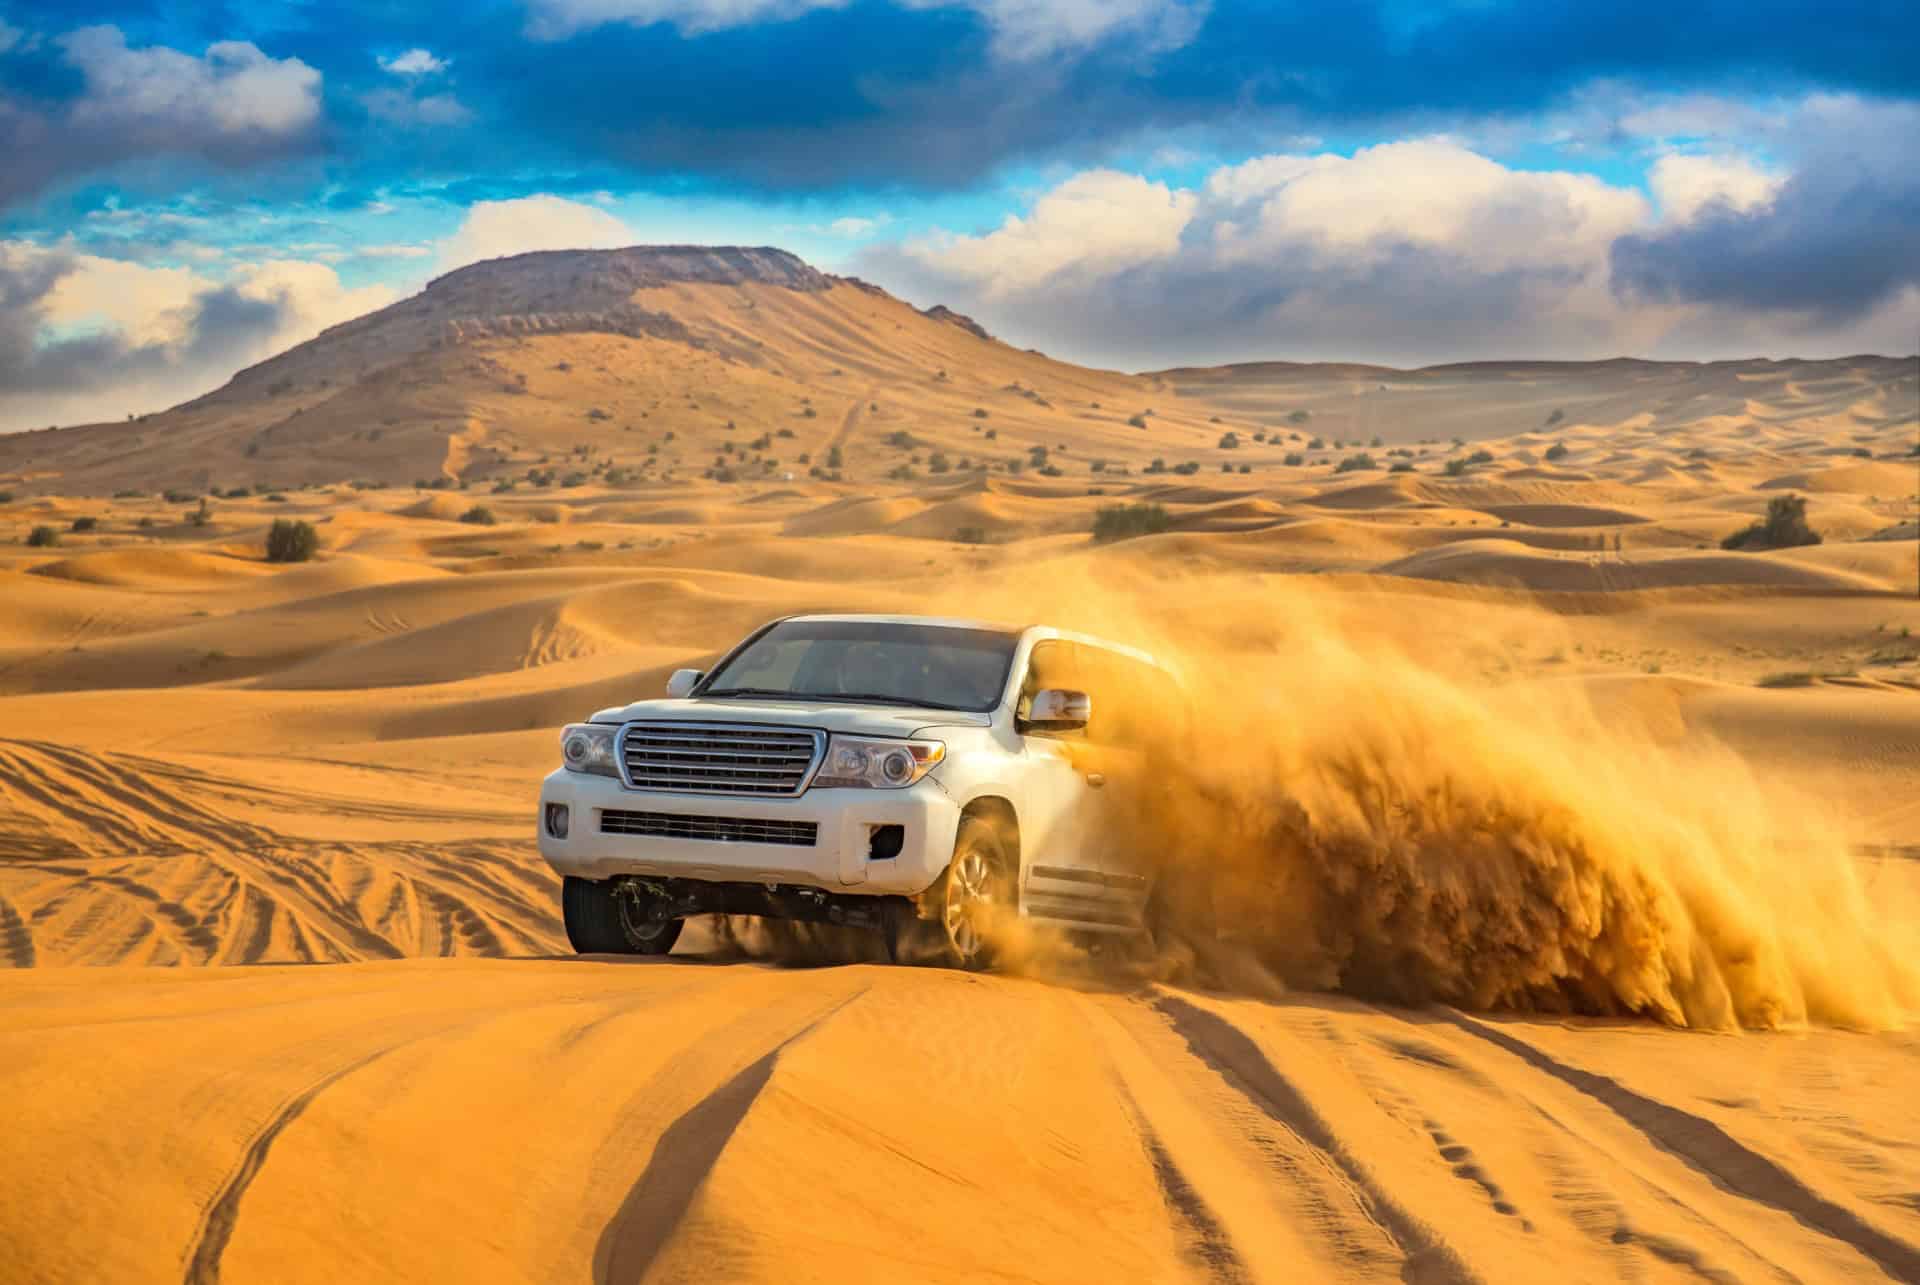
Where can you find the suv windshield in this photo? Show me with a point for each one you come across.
(932, 666)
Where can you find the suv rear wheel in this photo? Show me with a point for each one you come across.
(603, 920)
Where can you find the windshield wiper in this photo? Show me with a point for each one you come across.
(871, 698)
(880, 698)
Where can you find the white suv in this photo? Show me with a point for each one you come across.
(916, 776)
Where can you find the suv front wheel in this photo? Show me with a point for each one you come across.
(967, 909)
(603, 920)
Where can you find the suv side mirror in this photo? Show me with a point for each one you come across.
(1056, 709)
(684, 681)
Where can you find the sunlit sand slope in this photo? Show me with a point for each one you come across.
(547, 1120)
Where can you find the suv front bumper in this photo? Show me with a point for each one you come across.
(839, 860)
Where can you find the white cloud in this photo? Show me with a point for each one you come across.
(9, 35)
(1685, 185)
(399, 107)
(1022, 29)
(1414, 250)
(1423, 194)
(542, 222)
(414, 62)
(1093, 224)
(92, 338)
(234, 89)
(395, 250)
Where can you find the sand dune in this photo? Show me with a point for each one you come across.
(1507, 772)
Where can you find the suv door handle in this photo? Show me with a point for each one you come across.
(1096, 779)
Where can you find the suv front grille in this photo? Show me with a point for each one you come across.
(667, 825)
(719, 758)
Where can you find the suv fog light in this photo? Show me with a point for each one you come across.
(885, 842)
(557, 820)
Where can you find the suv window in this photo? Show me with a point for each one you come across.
(1133, 702)
(942, 667)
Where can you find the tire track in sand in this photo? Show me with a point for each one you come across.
(217, 1222)
(690, 1146)
(16, 937)
(1710, 1150)
(1239, 1061)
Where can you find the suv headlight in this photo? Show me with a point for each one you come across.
(877, 765)
(588, 747)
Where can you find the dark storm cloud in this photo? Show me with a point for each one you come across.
(1841, 238)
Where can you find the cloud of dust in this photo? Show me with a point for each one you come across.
(1361, 799)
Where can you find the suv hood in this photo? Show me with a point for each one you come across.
(852, 720)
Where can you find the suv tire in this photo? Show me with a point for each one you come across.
(603, 921)
(970, 903)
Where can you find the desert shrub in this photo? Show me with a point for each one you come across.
(1137, 421)
(1378, 441)
(1293, 459)
(144, 522)
(809, 413)
(1317, 444)
(129, 494)
(276, 498)
(1784, 527)
(901, 439)
(202, 515)
(1125, 521)
(1558, 451)
(979, 412)
(1480, 457)
(590, 546)
(85, 524)
(723, 474)
(1299, 417)
(479, 515)
(181, 497)
(834, 458)
(574, 479)
(1401, 466)
(42, 537)
(1456, 467)
(1187, 469)
(1556, 417)
(1050, 470)
(238, 492)
(1356, 463)
(1229, 441)
(291, 541)
(938, 463)
(970, 535)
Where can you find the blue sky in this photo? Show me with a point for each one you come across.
(188, 188)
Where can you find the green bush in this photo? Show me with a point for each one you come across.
(291, 541)
(42, 537)
(85, 524)
(1558, 451)
(1356, 463)
(1401, 466)
(1125, 521)
(1294, 459)
(1229, 441)
(202, 515)
(479, 515)
(1456, 467)
(1784, 527)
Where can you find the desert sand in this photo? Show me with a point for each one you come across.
(1562, 868)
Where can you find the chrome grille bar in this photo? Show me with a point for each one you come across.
(719, 758)
(798, 834)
